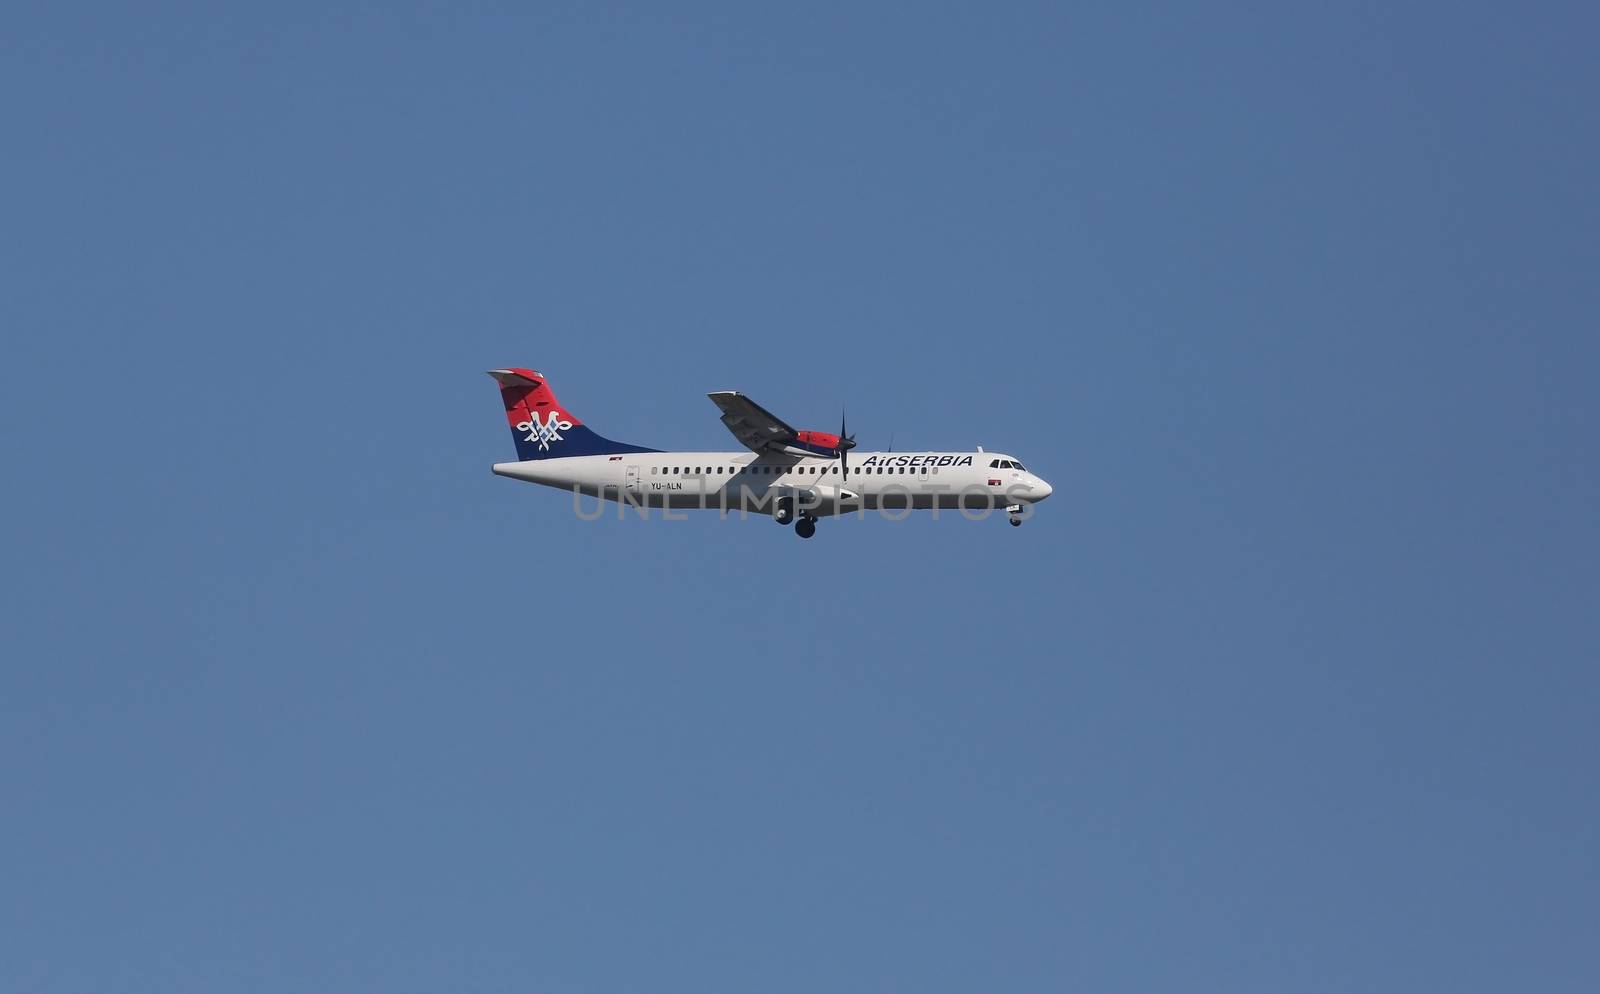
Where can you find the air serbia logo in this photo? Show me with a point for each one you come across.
(544, 432)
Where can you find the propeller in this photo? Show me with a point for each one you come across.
(846, 443)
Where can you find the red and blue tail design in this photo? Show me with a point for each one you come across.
(543, 429)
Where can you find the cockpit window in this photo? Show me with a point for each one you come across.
(994, 464)
(1017, 465)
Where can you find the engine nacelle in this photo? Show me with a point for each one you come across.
(783, 509)
(819, 441)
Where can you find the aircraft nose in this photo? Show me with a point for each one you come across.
(1041, 489)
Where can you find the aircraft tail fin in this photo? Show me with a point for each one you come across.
(541, 426)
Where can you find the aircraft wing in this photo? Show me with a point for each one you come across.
(756, 428)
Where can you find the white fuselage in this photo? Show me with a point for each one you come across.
(744, 480)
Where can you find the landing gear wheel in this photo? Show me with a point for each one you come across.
(1016, 522)
(806, 527)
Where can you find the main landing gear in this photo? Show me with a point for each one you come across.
(786, 510)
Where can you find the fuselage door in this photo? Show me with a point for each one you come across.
(631, 483)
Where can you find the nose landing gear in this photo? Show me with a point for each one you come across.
(1015, 512)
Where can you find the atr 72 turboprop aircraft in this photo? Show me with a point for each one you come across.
(795, 476)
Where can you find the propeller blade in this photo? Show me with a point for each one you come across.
(846, 443)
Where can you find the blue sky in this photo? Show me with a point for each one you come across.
(1290, 686)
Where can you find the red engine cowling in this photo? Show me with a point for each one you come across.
(818, 440)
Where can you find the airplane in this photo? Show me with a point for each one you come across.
(795, 476)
